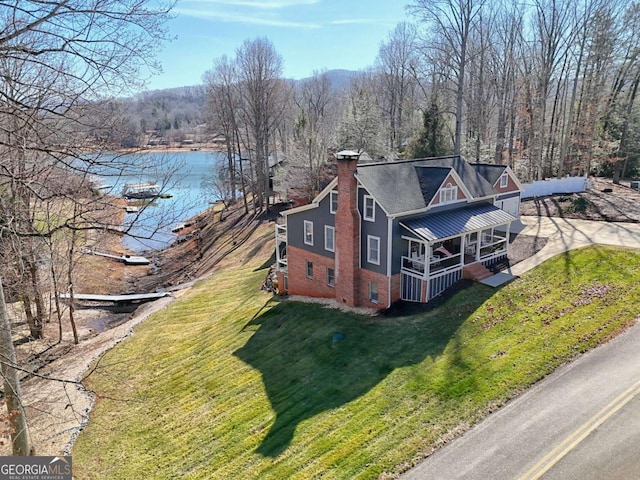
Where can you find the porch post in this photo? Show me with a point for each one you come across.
(462, 252)
(427, 259)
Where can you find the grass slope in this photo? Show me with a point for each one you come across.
(229, 383)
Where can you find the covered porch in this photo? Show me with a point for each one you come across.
(440, 246)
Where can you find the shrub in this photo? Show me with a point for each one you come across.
(579, 205)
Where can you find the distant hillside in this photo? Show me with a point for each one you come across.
(340, 79)
(176, 116)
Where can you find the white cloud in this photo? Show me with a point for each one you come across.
(230, 17)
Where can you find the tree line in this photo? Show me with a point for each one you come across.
(548, 87)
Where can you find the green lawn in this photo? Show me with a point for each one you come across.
(230, 383)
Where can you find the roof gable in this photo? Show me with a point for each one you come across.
(492, 173)
(316, 201)
(410, 185)
(462, 194)
(431, 180)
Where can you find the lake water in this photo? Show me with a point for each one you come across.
(180, 175)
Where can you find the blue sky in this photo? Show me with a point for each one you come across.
(309, 34)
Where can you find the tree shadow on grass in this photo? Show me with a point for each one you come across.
(314, 359)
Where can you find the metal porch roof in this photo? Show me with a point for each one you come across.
(457, 222)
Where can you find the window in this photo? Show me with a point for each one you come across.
(333, 201)
(373, 292)
(373, 249)
(369, 208)
(329, 238)
(308, 232)
(504, 180)
(449, 193)
(331, 277)
(487, 236)
(309, 269)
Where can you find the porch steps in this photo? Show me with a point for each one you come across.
(476, 271)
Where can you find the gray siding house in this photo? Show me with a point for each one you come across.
(405, 230)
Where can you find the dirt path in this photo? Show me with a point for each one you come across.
(58, 410)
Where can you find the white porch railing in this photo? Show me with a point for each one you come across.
(495, 246)
(445, 264)
(413, 265)
(281, 247)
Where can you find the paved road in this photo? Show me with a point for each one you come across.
(548, 431)
(610, 452)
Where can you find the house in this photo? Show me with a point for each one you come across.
(406, 230)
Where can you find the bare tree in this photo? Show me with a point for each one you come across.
(361, 127)
(11, 385)
(507, 36)
(262, 92)
(480, 96)
(223, 105)
(315, 116)
(450, 23)
(396, 65)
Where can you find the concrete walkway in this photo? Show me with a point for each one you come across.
(522, 439)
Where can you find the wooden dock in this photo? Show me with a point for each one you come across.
(126, 259)
(127, 298)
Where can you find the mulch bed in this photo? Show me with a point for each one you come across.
(602, 201)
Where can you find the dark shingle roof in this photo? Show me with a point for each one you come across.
(456, 222)
(430, 179)
(410, 185)
(490, 172)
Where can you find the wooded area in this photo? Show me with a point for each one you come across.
(547, 87)
(61, 63)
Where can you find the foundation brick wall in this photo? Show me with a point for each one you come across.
(299, 284)
(395, 287)
(367, 277)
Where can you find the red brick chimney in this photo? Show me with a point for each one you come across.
(347, 223)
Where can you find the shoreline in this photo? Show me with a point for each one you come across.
(206, 148)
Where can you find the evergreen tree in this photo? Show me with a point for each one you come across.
(431, 140)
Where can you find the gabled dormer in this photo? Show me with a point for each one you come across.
(501, 177)
(507, 182)
(449, 187)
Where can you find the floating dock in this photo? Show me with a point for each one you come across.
(126, 259)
